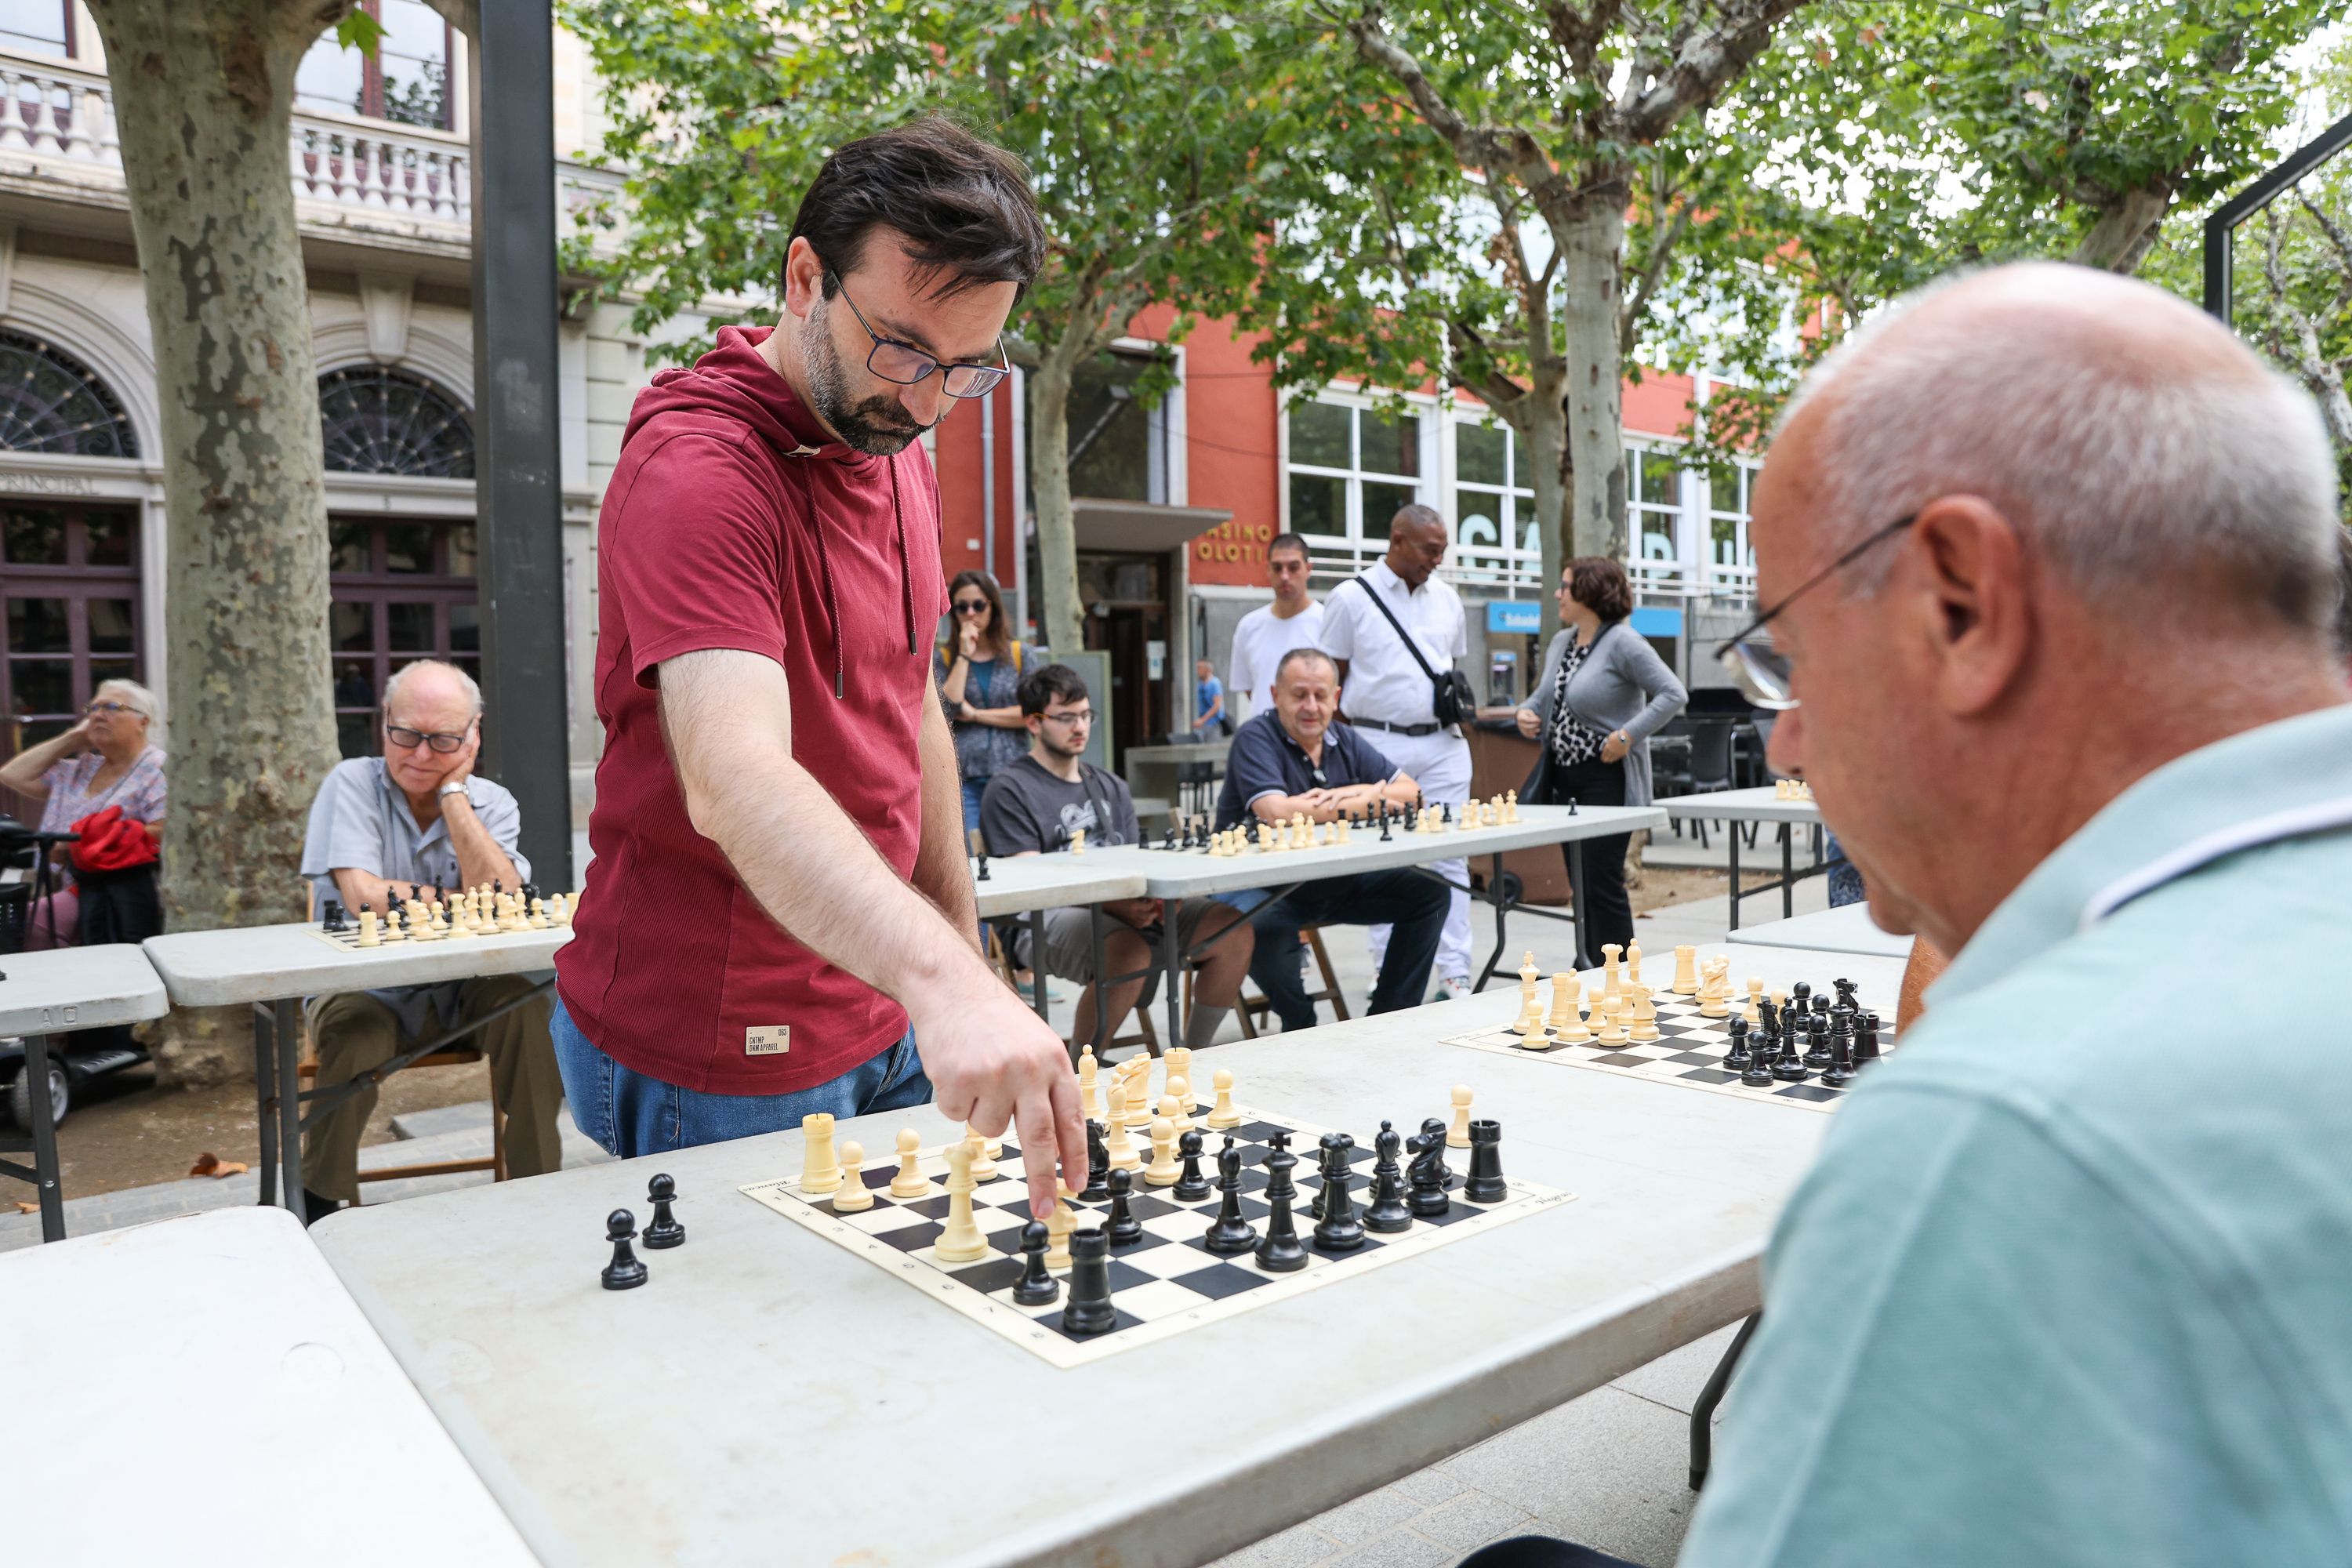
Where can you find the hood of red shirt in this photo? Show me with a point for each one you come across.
(733, 382)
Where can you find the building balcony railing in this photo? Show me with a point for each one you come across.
(1331, 563)
(396, 178)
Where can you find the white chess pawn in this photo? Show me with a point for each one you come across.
(1163, 1171)
(1077, 840)
(1058, 1225)
(910, 1183)
(1755, 1003)
(1458, 1135)
(855, 1194)
(1224, 1115)
(1179, 1089)
(1090, 1091)
(1612, 1028)
(538, 921)
(1121, 1148)
(984, 1163)
(1633, 963)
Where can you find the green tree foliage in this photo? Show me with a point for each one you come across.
(1157, 134)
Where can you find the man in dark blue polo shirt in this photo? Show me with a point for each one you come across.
(1292, 759)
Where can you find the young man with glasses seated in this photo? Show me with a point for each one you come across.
(417, 817)
(1294, 758)
(1035, 804)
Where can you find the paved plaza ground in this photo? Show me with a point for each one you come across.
(1608, 1469)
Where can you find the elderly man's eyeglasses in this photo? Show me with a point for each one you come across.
(408, 740)
(95, 708)
(1763, 674)
(903, 364)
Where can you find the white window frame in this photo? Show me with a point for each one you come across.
(1357, 548)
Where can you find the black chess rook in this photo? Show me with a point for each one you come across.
(1338, 1229)
(1089, 1311)
(1485, 1184)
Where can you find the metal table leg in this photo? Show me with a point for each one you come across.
(1502, 911)
(1576, 899)
(45, 1140)
(265, 1102)
(1731, 831)
(1036, 919)
(1788, 871)
(1171, 959)
(1702, 1426)
(1102, 1015)
(289, 1104)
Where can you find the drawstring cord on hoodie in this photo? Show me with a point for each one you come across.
(824, 569)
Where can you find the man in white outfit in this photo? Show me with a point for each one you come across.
(1267, 633)
(1385, 690)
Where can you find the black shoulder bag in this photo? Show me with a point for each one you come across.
(1451, 698)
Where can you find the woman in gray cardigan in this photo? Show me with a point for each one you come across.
(1603, 693)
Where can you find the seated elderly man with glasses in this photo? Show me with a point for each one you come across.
(418, 817)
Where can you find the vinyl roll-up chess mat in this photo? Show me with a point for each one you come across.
(1162, 1284)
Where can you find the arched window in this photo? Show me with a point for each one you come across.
(51, 402)
(380, 421)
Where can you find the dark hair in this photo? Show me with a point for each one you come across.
(1296, 653)
(1599, 584)
(963, 205)
(1412, 514)
(1286, 541)
(1042, 685)
(999, 633)
(2343, 591)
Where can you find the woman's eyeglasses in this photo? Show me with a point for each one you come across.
(95, 708)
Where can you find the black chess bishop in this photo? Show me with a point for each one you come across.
(1386, 1213)
(1230, 1234)
(1278, 1250)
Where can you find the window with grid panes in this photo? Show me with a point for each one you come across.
(1350, 470)
(401, 591)
(69, 574)
(1493, 505)
(38, 27)
(1653, 508)
(1729, 554)
(406, 79)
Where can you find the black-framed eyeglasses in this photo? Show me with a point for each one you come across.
(971, 606)
(1763, 674)
(408, 740)
(903, 364)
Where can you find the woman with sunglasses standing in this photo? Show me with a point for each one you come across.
(102, 763)
(979, 671)
(1604, 691)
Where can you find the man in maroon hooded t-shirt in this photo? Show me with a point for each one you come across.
(779, 907)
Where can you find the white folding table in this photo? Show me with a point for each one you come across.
(1734, 806)
(57, 991)
(1847, 929)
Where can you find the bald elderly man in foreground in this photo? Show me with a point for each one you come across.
(2050, 560)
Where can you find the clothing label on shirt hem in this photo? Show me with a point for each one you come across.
(773, 1040)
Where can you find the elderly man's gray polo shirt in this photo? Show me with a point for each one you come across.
(362, 822)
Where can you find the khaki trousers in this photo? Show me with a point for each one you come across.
(356, 1034)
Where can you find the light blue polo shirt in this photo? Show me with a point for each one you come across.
(2071, 1282)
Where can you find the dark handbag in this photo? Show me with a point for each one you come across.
(1451, 699)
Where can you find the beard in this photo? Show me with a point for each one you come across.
(877, 426)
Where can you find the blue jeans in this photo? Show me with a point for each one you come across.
(972, 790)
(629, 1114)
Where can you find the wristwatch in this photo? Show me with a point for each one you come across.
(455, 786)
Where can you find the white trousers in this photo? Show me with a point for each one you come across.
(1440, 763)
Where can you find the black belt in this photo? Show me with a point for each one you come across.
(1430, 729)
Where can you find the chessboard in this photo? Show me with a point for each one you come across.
(1689, 1051)
(1163, 1284)
(477, 915)
(1195, 836)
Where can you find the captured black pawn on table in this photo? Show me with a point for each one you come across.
(1279, 1251)
(663, 1230)
(1230, 1234)
(1089, 1311)
(1339, 1229)
(1036, 1286)
(626, 1271)
(1387, 1212)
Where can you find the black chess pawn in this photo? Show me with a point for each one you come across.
(1337, 1228)
(1485, 1184)
(1089, 1311)
(1386, 1213)
(1446, 815)
(1385, 820)
(1190, 1187)
(1818, 1054)
(1124, 1229)
(1098, 1166)
(625, 1272)
(1428, 1172)
(1036, 1287)
(1231, 1233)
(1761, 1064)
(1572, 806)
(663, 1230)
(1737, 1058)
(1278, 1250)
(1790, 1067)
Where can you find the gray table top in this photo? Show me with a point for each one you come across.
(1206, 752)
(1183, 875)
(224, 1323)
(768, 1386)
(68, 988)
(1742, 805)
(1845, 930)
(1025, 882)
(266, 963)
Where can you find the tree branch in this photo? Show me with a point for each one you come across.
(1662, 242)
(1703, 64)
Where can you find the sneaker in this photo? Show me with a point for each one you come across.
(1454, 987)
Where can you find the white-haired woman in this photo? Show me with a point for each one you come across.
(104, 760)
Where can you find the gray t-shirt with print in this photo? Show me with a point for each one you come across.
(1028, 809)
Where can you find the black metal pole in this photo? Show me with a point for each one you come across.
(526, 742)
(2222, 227)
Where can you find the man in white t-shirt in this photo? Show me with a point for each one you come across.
(1384, 690)
(1268, 632)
